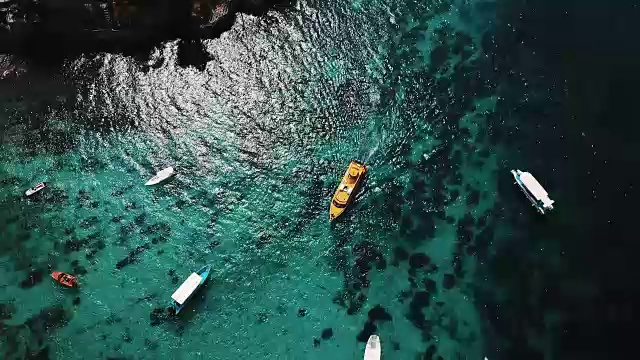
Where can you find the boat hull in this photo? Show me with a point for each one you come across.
(65, 279)
(36, 189)
(161, 176)
(204, 274)
(542, 206)
(373, 350)
(349, 185)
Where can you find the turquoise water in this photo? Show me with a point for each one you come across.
(260, 139)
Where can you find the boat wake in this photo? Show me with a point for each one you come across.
(371, 152)
(371, 147)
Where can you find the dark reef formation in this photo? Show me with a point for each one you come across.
(36, 327)
(376, 314)
(353, 295)
(33, 278)
(52, 27)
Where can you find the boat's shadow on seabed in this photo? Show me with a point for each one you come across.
(178, 323)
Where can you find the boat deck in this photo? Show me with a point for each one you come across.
(187, 288)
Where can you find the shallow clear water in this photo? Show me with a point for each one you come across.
(260, 138)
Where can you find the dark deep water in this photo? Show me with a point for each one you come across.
(585, 67)
(551, 86)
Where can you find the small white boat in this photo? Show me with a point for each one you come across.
(373, 351)
(533, 190)
(188, 288)
(36, 189)
(161, 176)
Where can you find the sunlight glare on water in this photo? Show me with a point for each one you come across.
(260, 138)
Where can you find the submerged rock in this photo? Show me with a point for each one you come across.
(151, 345)
(89, 222)
(430, 285)
(404, 295)
(140, 219)
(356, 303)
(420, 300)
(99, 245)
(43, 354)
(83, 195)
(449, 281)
(474, 198)
(327, 334)
(116, 219)
(400, 253)
(113, 319)
(6, 311)
(158, 240)
(369, 329)
(33, 278)
(431, 350)
(419, 260)
(351, 300)
(158, 316)
(264, 239)
(48, 318)
(74, 245)
(157, 228)
(262, 317)
(132, 257)
(378, 313)
(35, 331)
(117, 193)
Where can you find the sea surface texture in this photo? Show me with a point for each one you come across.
(440, 255)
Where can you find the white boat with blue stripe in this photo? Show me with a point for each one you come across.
(188, 289)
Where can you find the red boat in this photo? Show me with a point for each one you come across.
(65, 279)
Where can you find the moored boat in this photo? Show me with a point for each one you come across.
(373, 350)
(65, 279)
(532, 189)
(161, 176)
(188, 288)
(36, 189)
(347, 188)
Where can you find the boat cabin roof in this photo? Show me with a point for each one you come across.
(343, 196)
(534, 187)
(187, 288)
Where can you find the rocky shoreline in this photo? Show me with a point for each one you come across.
(31, 27)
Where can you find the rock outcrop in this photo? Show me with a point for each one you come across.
(75, 26)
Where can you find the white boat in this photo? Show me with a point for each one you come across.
(161, 176)
(36, 189)
(188, 288)
(373, 351)
(533, 190)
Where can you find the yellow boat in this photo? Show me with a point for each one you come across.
(346, 191)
